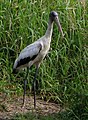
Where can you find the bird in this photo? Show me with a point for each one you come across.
(35, 52)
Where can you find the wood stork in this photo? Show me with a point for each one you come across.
(35, 52)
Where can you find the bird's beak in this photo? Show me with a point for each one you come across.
(59, 25)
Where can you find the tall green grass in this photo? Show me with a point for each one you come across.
(64, 74)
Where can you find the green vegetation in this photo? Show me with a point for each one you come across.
(68, 115)
(64, 72)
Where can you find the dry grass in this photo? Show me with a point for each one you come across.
(11, 107)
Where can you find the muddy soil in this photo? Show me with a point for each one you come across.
(11, 107)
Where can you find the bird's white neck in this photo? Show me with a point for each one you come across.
(49, 30)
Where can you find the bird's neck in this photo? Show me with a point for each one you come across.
(49, 30)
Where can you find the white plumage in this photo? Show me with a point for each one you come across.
(35, 52)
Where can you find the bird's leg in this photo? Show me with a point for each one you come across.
(25, 83)
(34, 85)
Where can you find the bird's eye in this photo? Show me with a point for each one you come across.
(56, 18)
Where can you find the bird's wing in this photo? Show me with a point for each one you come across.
(29, 53)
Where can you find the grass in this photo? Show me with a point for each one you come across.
(64, 74)
(65, 115)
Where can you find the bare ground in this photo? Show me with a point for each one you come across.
(11, 107)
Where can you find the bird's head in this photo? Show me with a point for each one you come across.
(54, 17)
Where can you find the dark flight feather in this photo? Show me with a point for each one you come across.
(25, 60)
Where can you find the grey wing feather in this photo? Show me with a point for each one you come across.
(30, 51)
(27, 54)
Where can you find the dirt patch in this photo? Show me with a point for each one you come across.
(11, 107)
